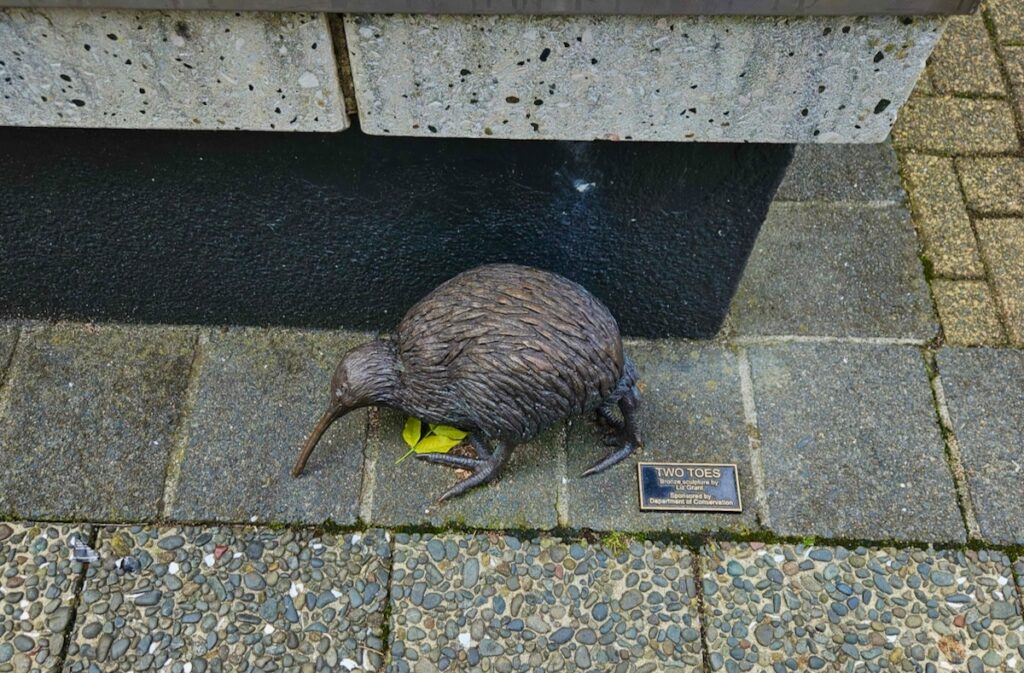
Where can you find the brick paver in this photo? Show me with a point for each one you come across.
(958, 141)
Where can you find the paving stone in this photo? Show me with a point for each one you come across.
(784, 607)
(90, 419)
(851, 443)
(1013, 59)
(993, 185)
(1002, 245)
(841, 173)
(259, 393)
(837, 270)
(37, 589)
(496, 603)
(691, 412)
(169, 70)
(637, 77)
(406, 493)
(968, 313)
(8, 338)
(985, 393)
(963, 62)
(232, 599)
(1008, 18)
(941, 216)
(945, 125)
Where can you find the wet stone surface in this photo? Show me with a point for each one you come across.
(985, 394)
(406, 493)
(37, 584)
(258, 396)
(496, 603)
(800, 608)
(222, 599)
(691, 412)
(90, 417)
(851, 443)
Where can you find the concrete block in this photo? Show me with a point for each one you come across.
(90, 415)
(259, 392)
(834, 270)
(851, 444)
(862, 173)
(811, 79)
(691, 412)
(169, 70)
(968, 312)
(985, 392)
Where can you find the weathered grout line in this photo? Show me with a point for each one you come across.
(953, 455)
(698, 582)
(885, 203)
(76, 600)
(562, 492)
(753, 437)
(385, 631)
(179, 444)
(7, 372)
(800, 339)
(369, 481)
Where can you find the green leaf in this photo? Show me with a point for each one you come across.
(448, 431)
(405, 455)
(436, 444)
(411, 432)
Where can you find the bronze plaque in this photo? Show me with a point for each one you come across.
(689, 487)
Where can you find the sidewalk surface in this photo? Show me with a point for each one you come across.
(869, 384)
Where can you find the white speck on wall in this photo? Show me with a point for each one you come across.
(366, 31)
(283, 51)
(465, 640)
(172, 568)
(209, 560)
(177, 40)
(348, 664)
(268, 629)
(356, 537)
(308, 80)
(582, 186)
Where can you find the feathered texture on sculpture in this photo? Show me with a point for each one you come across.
(503, 352)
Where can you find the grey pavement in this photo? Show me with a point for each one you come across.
(835, 269)
(89, 420)
(405, 494)
(258, 394)
(830, 173)
(691, 412)
(851, 444)
(984, 391)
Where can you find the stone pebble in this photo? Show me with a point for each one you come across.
(510, 604)
(798, 607)
(224, 598)
(37, 584)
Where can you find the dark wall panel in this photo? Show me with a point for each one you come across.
(348, 230)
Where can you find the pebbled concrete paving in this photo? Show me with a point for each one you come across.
(258, 395)
(836, 270)
(90, 418)
(1002, 246)
(968, 313)
(406, 493)
(963, 62)
(851, 447)
(497, 603)
(37, 594)
(220, 599)
(985, 394)
(948, 125)
(784, 607)
(691, 412)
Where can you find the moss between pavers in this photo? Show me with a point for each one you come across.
(1002, 246)
(993, 185)
(941, 217)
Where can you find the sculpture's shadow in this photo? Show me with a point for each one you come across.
(348, 230)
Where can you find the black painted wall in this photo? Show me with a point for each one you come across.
(348, 230)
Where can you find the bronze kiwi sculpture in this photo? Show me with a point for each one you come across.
(502, 352)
